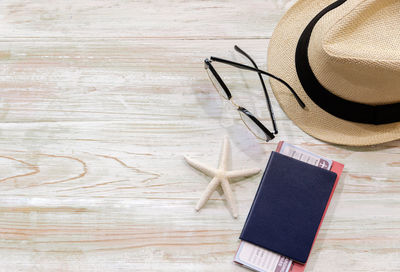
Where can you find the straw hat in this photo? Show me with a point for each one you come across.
(343, 59)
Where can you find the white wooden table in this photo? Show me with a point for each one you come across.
(100, 100)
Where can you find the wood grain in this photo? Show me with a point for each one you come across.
(99, 102)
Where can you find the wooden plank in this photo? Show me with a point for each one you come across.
(140, 19)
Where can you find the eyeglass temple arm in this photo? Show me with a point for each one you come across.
(245, 67)
(238, 49)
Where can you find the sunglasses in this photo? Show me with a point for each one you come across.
(250, 121)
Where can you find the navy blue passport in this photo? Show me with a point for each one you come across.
(288, 207)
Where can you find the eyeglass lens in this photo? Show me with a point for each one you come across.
(253, 127)
(216, 84)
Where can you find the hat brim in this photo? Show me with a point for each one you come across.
(314, 120)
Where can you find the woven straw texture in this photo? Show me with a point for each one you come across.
(354, 52)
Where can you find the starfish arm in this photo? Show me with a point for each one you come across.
(224, 157)
(207, 193)
(229, 197)
(209, 171)
(243, 173)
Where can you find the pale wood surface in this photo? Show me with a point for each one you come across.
(100, 100)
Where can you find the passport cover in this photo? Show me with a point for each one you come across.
(288, 207)
(338, 169)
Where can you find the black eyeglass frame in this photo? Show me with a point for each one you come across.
(207, 65)
(268, 133)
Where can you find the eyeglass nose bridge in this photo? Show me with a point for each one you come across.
(234, 103)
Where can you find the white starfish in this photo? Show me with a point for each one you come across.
(221, 176)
